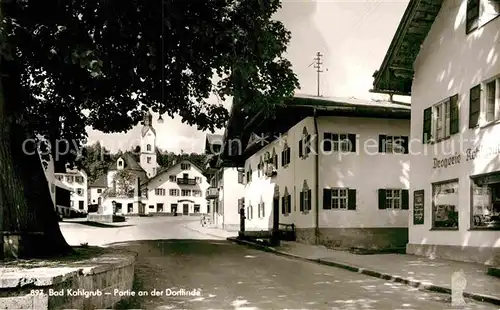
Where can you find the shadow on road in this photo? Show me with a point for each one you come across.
(99, 225)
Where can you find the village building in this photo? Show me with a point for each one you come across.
(352, 192)
(445, 55)
(76, 180)
(226, 187)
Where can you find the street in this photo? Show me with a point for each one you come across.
(229, 276)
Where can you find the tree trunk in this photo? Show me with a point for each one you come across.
(30, 224)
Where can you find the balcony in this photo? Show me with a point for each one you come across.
(186, 181)
(212, 193)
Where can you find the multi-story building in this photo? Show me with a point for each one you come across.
(77, 181)
(177, 190)
(226, 187)
(445, 54)
(352, 192)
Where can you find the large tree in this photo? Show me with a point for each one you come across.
(113, 60)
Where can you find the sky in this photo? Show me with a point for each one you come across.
(352, 35)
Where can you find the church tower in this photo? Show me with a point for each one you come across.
(148, 146)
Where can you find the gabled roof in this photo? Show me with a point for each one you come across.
(102, 181)
(395, 75)
(145, 129)
(213, 143)
(129, 162)
(294, 110)
(170, 168)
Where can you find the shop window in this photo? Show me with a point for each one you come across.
(196, 208)
(445, 205)
(486, 202)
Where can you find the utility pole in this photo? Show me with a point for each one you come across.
(317, 65)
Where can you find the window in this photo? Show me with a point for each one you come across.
(395, 199)
(173, 192)
(241, 176)
(59, 177)
(474, 106)
(185, 176)
(492, 100)
(305, 198)
(151, 207)
(148, 159)
(99, 190)
(185, 166)
(260, 167)
(130, 208)
(196, 193)
(393, 144)
(69, 178)
(286, 203)
(148, 147)
(304, 144)
(441, 120)
(185, 192)
(172, 178)
(445, 205)
(285, 155)
(159, 207)
(198, 180)
(486, 202)
(81, 205)
(339, 199)
(120, 163)
(159, 191)
(196, 208)
(249, 174)
(339, 142)
(261, 210)
(480, 12)
(79, 179)
(79, 191)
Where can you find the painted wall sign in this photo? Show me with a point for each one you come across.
(446, 162)
(481, 152)
(418, 207)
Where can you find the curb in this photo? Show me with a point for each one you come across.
(427, 286)
(205, 233)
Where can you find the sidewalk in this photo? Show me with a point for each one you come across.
(211, 231)
(429, 274)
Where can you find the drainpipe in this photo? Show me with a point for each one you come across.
(316, 169)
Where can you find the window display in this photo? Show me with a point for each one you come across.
(445, 205)
(485, 204)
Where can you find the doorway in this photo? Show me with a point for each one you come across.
(185, 209)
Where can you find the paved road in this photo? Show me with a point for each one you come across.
(230, 276)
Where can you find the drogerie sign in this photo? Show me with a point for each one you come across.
(447, 161)
(470, 154)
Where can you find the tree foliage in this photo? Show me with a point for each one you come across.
(69, 64)
(124, 180)
(94, 160)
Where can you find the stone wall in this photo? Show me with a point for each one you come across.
(104, 278)
(344, 238)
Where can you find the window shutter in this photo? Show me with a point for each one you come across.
(406, 145)
(258, 210)
(240, 177)
(301, 202)
(352, 141)
(427, 125)
(405, 201)
(327, 142)
(263, 209)
(472, 15)
(308, 144)
(309, 200)
(327, 198)
(301, 151)
(381, 199)
(283, 206)
(289, 204)
(474, 106)
(282, 158)
(454, 115)
(275, 159)
(288, 155)
(381, 143)
(351, 199)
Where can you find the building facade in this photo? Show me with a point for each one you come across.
(226, 187)
(177, 190)
(77, 181)
(353, 192)
(454, 81)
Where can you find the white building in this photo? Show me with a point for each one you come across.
(353, 193)
(77, 181)
(148, 160)
(453, 76)
(59, 192)
(177, 190)
(226, 188)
